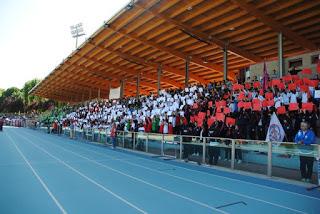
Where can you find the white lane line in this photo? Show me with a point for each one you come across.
(214, 175)
(209, 174)
(181, 178)
(86, 177)
(38, 177)
(214, 187)
(22, 163)
(142, 181)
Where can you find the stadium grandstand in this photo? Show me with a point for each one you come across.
(182, 106)
(150, 45)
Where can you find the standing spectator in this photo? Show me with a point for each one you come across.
(113, 135)
(170, 128)
(1, 123)
(186, 140)
(288, 129)
(140, 142)
(238, 135)
(229, 129)
(214, 151)
(165, 127)
(305, 137)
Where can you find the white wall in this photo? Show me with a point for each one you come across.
(257, 69)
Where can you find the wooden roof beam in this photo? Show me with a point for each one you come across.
(175, 53)
(276, 26)
(150, 63)
(79, 90)
(203, 36)
(134, 72)
(68, 81)
(146, 84)
(116, 77)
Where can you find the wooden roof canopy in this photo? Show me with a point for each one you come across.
(149, 33)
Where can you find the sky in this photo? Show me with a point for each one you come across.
(35, 34)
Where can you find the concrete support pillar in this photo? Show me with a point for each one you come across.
(109, 87)
(225, 62)
(99, 94)
(186, 80)
(138, 84)
(280, 55)
(159, 72)
(121, 88)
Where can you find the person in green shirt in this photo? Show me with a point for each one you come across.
(157, 124)
(154, 125)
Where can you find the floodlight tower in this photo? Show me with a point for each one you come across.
(77, 31)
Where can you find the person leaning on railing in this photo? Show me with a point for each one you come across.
(305, 137)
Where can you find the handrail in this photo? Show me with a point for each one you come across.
(258, 142)
(132, 141)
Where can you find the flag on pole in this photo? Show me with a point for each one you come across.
(265, 76)
(275, 130)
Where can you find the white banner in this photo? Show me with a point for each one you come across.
(275, 130)
(114, 93)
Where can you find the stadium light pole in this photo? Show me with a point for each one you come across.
(77, 31)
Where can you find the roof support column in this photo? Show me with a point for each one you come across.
(121, 88)
(109, 87)
(187, 74)
(99, 94)
(225, 62)
(159, 72)
(138, 84)
(90, 94)
(280, 54)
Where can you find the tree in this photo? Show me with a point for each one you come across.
(11, 100)
(14, 100)
(26, 89)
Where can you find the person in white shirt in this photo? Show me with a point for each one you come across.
(277, 100)
(293, 97)
(285, 98)
(165, 127)
(304, 97)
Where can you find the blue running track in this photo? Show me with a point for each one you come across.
(41, 173)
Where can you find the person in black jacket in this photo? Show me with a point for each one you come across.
(288, 129)
(238, 135)
(213, 151)
(196, 132)
(229, 129)
(185, 130)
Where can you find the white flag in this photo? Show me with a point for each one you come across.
(275, 130)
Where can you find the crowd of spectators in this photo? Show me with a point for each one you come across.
(219, 109)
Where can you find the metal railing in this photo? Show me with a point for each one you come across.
(200, 149)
